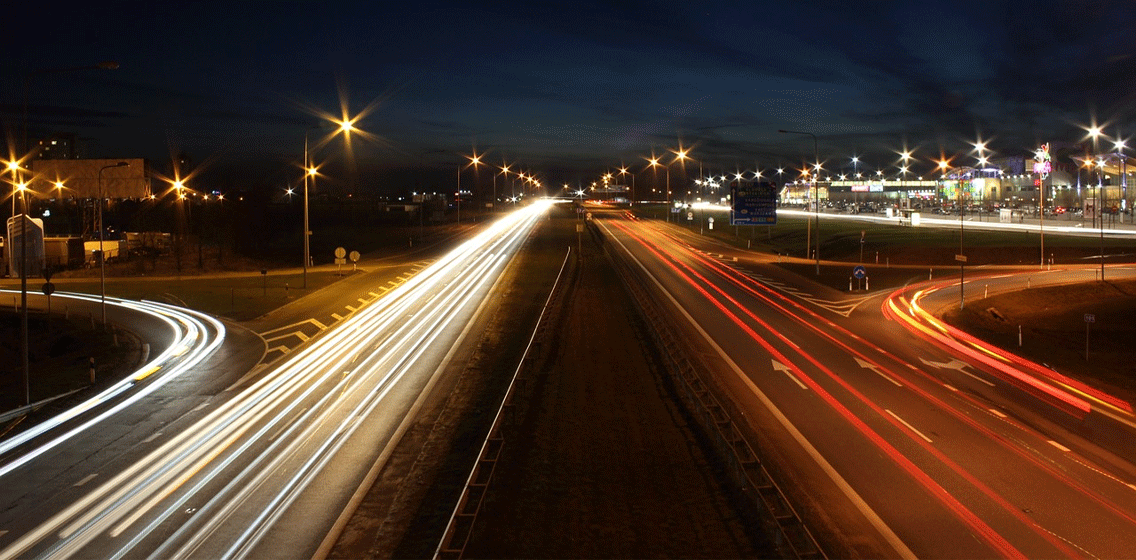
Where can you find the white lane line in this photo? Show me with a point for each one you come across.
(1058, 446)
(909, 426)
(152, 437)
(321, 326)
(303, 337)
(200, 406)
(89, 478)
(2, 533)
(281, 349)
(951, 387)
(1130, 485)
(997, 412)
(285, 327)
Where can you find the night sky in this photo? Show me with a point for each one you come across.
(566, 90)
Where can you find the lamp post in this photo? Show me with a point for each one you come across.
(474, 160)
(1095, 132)
(816, 190)
(102, 230)
(346, 126)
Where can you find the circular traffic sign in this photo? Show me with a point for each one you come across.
(340, 252)
(48, 288)
(354, 256)
(859, 272)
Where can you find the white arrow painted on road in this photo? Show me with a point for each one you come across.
(778, 366)
(956, 365)
(875, 368)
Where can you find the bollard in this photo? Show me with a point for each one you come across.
(867, 284)
(1029, 283)
(849, 283)
(929, 271)
(877, 257)
(91, 368)
(1019, 336)
(986, 292)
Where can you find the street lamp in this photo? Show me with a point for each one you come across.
(474, 160)
(346, 127)
(102, 230)
(816, 190)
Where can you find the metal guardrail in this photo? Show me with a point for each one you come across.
(745, 466)
(460, 526)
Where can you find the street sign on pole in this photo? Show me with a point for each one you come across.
(753, 203)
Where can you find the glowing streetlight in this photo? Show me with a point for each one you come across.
(816, 190)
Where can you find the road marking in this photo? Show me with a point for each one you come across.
(352, 309)
(336, 317)
(778, 366)
(951, 387)
(1130, 485)
(2, 533)
(299, 334)
(997, 412)
(1058, 446)
(281, 349)
(293, 325)
(873, 367)
(89, 478)
(152, 437)
(909, 426)
(392, 283)
(200, 406)
(362, 301)
(956, 365)
(373, 294)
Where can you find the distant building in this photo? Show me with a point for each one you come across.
(59, 146)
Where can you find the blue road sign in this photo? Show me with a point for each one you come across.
(859, 272)
(753, 203)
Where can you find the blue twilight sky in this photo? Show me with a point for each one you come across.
(567, 90)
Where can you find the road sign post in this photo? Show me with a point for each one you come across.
(1089, 320)
(753, 203)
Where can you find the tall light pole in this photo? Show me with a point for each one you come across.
(346, 127)
(474, 160)
(816, 190)
(1095, 132)
(102, 230)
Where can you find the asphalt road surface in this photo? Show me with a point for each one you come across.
(897, 441)
(259, 462)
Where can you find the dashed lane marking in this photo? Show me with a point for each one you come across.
(87, 479)
(1058, 446)
(152, 437)
(909, 426)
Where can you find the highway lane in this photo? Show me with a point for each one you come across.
(936, 466)
(266, 469)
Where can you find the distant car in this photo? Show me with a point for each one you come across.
(1059, 210)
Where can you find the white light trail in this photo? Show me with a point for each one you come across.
(312, 404)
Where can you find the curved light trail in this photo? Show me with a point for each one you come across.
(241, 467)
(193, 336)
